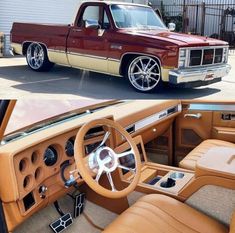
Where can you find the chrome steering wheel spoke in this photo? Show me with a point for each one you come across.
(123, 154)
(100, 172)
(111, 181)
(133, 170)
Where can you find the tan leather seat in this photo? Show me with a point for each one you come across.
(189, 162)
(161, 214)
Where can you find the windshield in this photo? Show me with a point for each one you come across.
(31, 113)
(139, 17)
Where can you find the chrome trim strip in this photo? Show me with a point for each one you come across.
(56, 51)
(112, 59)
(212, 107)
(87, 55)
(84, 55)
(154, 118)
(206, 47)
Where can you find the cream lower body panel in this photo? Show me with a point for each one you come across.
(165, 74)
(87, 62)
(17, 48)
(58, 57)
(93, 63)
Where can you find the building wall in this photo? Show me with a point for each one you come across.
(38, 11)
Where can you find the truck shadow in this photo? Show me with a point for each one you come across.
(65, 80)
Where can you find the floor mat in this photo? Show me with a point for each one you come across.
(39, 222)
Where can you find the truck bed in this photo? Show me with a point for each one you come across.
(53, 36)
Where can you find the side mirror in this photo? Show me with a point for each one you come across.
(93, 24)
(171, 26)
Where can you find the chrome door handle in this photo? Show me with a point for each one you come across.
(77, 30)
(197, 116)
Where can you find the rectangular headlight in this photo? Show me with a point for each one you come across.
(182, 58)
(181, 64)
(182, 52)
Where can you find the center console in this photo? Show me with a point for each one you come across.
(172, 182)
(156, 178)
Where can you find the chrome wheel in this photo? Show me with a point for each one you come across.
(144, 73)
(35, 56)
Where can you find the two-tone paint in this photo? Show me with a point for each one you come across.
(105, 51)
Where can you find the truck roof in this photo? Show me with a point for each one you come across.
(118, 3)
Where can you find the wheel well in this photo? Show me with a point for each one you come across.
(26, 45)
(126, 58)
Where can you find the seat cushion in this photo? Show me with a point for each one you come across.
(161, 214)
(189, 162)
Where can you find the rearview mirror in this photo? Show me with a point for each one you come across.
(171, 26)
(94, 24)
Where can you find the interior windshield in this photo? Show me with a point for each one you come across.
(136, 17)
(28, 114)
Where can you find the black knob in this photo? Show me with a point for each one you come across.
(168, 184)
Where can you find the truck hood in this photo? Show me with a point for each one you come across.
(183, 40)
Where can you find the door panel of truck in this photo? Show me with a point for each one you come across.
(87, 46)
(201, 121)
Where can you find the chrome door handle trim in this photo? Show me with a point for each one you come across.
(77, 30)
(197, 116)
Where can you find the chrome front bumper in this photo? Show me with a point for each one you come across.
(201, 75)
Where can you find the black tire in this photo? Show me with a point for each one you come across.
(41, 63)
(146, 74)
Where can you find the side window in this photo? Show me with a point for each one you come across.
(90, 15)
(106, 23)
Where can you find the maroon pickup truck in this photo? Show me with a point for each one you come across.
(123, 39)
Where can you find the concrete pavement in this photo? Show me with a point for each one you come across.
(18, 81)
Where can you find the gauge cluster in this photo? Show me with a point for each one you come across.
(50, 156)
(41, 164)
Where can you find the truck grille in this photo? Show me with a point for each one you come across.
(201, 57)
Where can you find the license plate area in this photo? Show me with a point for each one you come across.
(209, 76)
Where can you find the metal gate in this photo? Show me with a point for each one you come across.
(212, 20)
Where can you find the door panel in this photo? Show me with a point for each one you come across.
(216, 121)
(192, 131)
(224, 126)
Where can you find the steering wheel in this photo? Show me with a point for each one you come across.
(104, 160)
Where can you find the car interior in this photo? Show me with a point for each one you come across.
(130, 167)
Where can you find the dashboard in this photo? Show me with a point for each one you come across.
(33, 163)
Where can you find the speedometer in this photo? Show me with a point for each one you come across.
(50, 156)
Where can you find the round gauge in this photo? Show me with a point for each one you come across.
(69, 147)
(50, 156)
